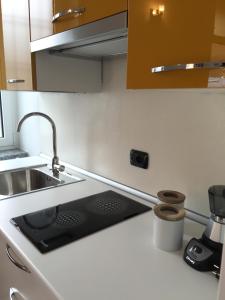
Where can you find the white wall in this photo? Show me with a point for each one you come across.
(29, 137)
(9, 110)
(183, 131)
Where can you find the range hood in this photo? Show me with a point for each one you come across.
(105, 37)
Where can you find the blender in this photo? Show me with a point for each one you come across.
(205, 254)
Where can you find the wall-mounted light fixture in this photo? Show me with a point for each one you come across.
(158, 11)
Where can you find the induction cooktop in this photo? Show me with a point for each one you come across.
(56, 226)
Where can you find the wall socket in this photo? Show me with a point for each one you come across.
(139, 159)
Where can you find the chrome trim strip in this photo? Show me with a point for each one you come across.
(101, 30)
(190, 66)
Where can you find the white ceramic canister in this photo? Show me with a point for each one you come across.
(168, 227)
(171, 197)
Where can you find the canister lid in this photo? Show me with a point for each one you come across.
(169, 212)
(171, 197)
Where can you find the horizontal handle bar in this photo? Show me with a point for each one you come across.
(15, 80)
(17, 264)
(191, 66)
(66, 12)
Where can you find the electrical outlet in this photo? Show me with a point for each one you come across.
(139, 159)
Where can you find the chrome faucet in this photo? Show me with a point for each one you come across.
(56, 167)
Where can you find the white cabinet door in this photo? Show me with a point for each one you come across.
(16, 39)
(17, 284)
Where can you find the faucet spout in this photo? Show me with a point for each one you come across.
(56, 167)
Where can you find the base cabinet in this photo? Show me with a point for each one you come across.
(17, 284)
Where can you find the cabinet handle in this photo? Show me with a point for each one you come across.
(191, 66)
(15, 80)
(13, 292)
(77, 11)
(18, 265)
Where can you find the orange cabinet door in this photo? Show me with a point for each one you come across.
(73, 13)
(176, 34)
(16, 40)
(41, 13)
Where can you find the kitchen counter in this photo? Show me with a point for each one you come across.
(118, 263)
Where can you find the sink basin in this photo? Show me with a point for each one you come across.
(29, 180)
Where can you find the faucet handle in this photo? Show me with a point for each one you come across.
(56, 167)
(60, 168)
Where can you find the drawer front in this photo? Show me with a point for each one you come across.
(18, 280)
(73, 13)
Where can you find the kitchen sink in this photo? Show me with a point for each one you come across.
(29, 180)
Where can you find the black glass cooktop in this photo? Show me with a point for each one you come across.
(56, 226)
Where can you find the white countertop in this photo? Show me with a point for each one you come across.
(118, 263)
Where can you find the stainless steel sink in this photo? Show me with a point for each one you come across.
(23, 181)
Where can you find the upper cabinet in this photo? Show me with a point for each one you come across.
(16, 63)
(176, 44)
(171, 44)
(21, 70)
(73, 13)
(41, 13)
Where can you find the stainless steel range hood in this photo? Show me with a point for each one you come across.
(101, 38)
(71, 61)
